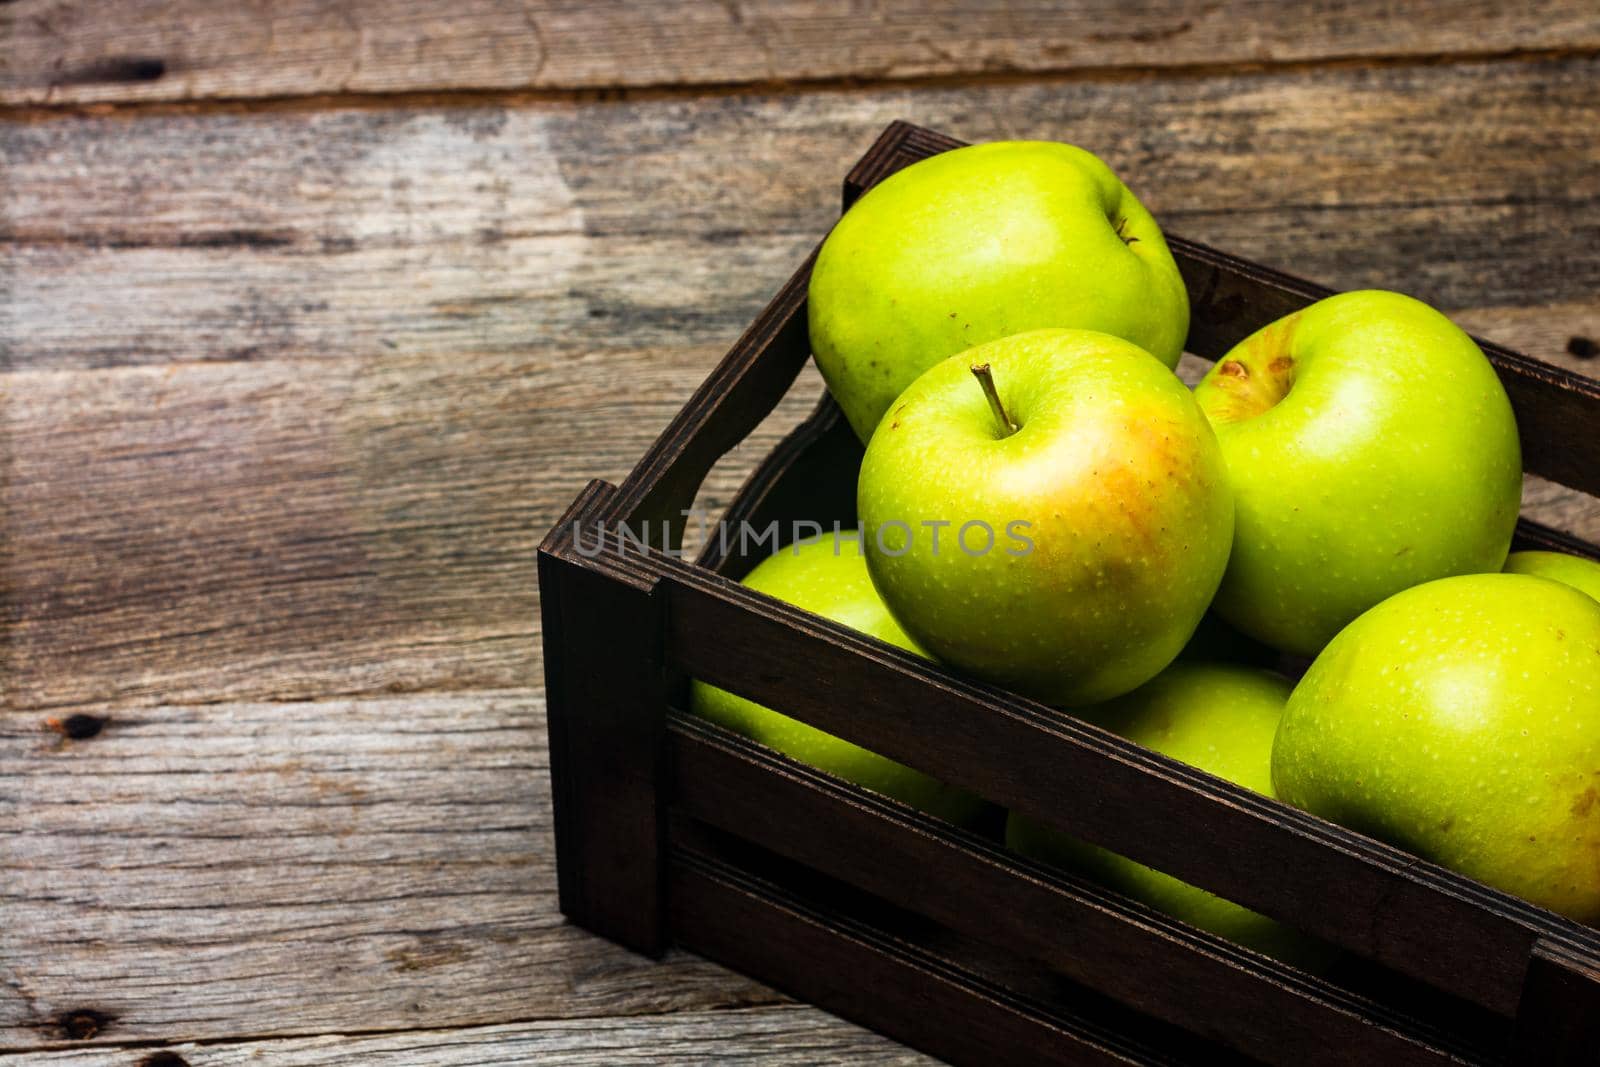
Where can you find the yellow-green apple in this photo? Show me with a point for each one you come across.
(1062, 535)
(1371, 448)
(1220, 718)
(827, 575)
(1460, 720)
(1580, 573)
(977, 244)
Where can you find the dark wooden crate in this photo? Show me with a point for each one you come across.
(670, 830)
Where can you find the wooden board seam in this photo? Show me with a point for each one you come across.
(691, 92)
(779, 1002)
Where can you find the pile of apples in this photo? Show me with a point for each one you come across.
(1046, 506)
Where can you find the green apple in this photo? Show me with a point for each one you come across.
(827, 575)
(1062, 537)
(977, 244)
(1460, 720)
(1220, 718)
(1582, 574)
(1371, 448)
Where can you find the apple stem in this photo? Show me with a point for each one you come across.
(985, 378)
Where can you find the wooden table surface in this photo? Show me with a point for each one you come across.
(314, 315)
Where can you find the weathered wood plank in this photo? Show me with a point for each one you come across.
(383, 349)
(70, 51)
(292, 396)
(769, 1036)
(461, 230)
(284, 530)
(233, 869)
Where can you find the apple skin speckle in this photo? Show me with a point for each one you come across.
(977, 244)
(1394, 726)
(1371, 448)
(1120, 480)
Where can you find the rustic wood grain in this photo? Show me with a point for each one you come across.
(257, 530)
(291, 394)
(345, 355)
(277, 530)
(298, 868)
(780, 1035)
(71, 51)
(177, 238)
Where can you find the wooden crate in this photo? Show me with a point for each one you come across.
(672, 831)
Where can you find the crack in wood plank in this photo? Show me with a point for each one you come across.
(81, 54)
(775, 1034)
(215, 871)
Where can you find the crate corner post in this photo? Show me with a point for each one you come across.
(607, 692)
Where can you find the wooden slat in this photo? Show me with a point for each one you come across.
(1560, 1023)
(221, 870)
(1150, 963)
(491, 230)
(914, 992)
(775, 1036)
(1375, 900)
(74, 51)
(723, 411)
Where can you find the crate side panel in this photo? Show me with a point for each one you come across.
(1148, 962)
(1374, 900)
(921, 1000)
